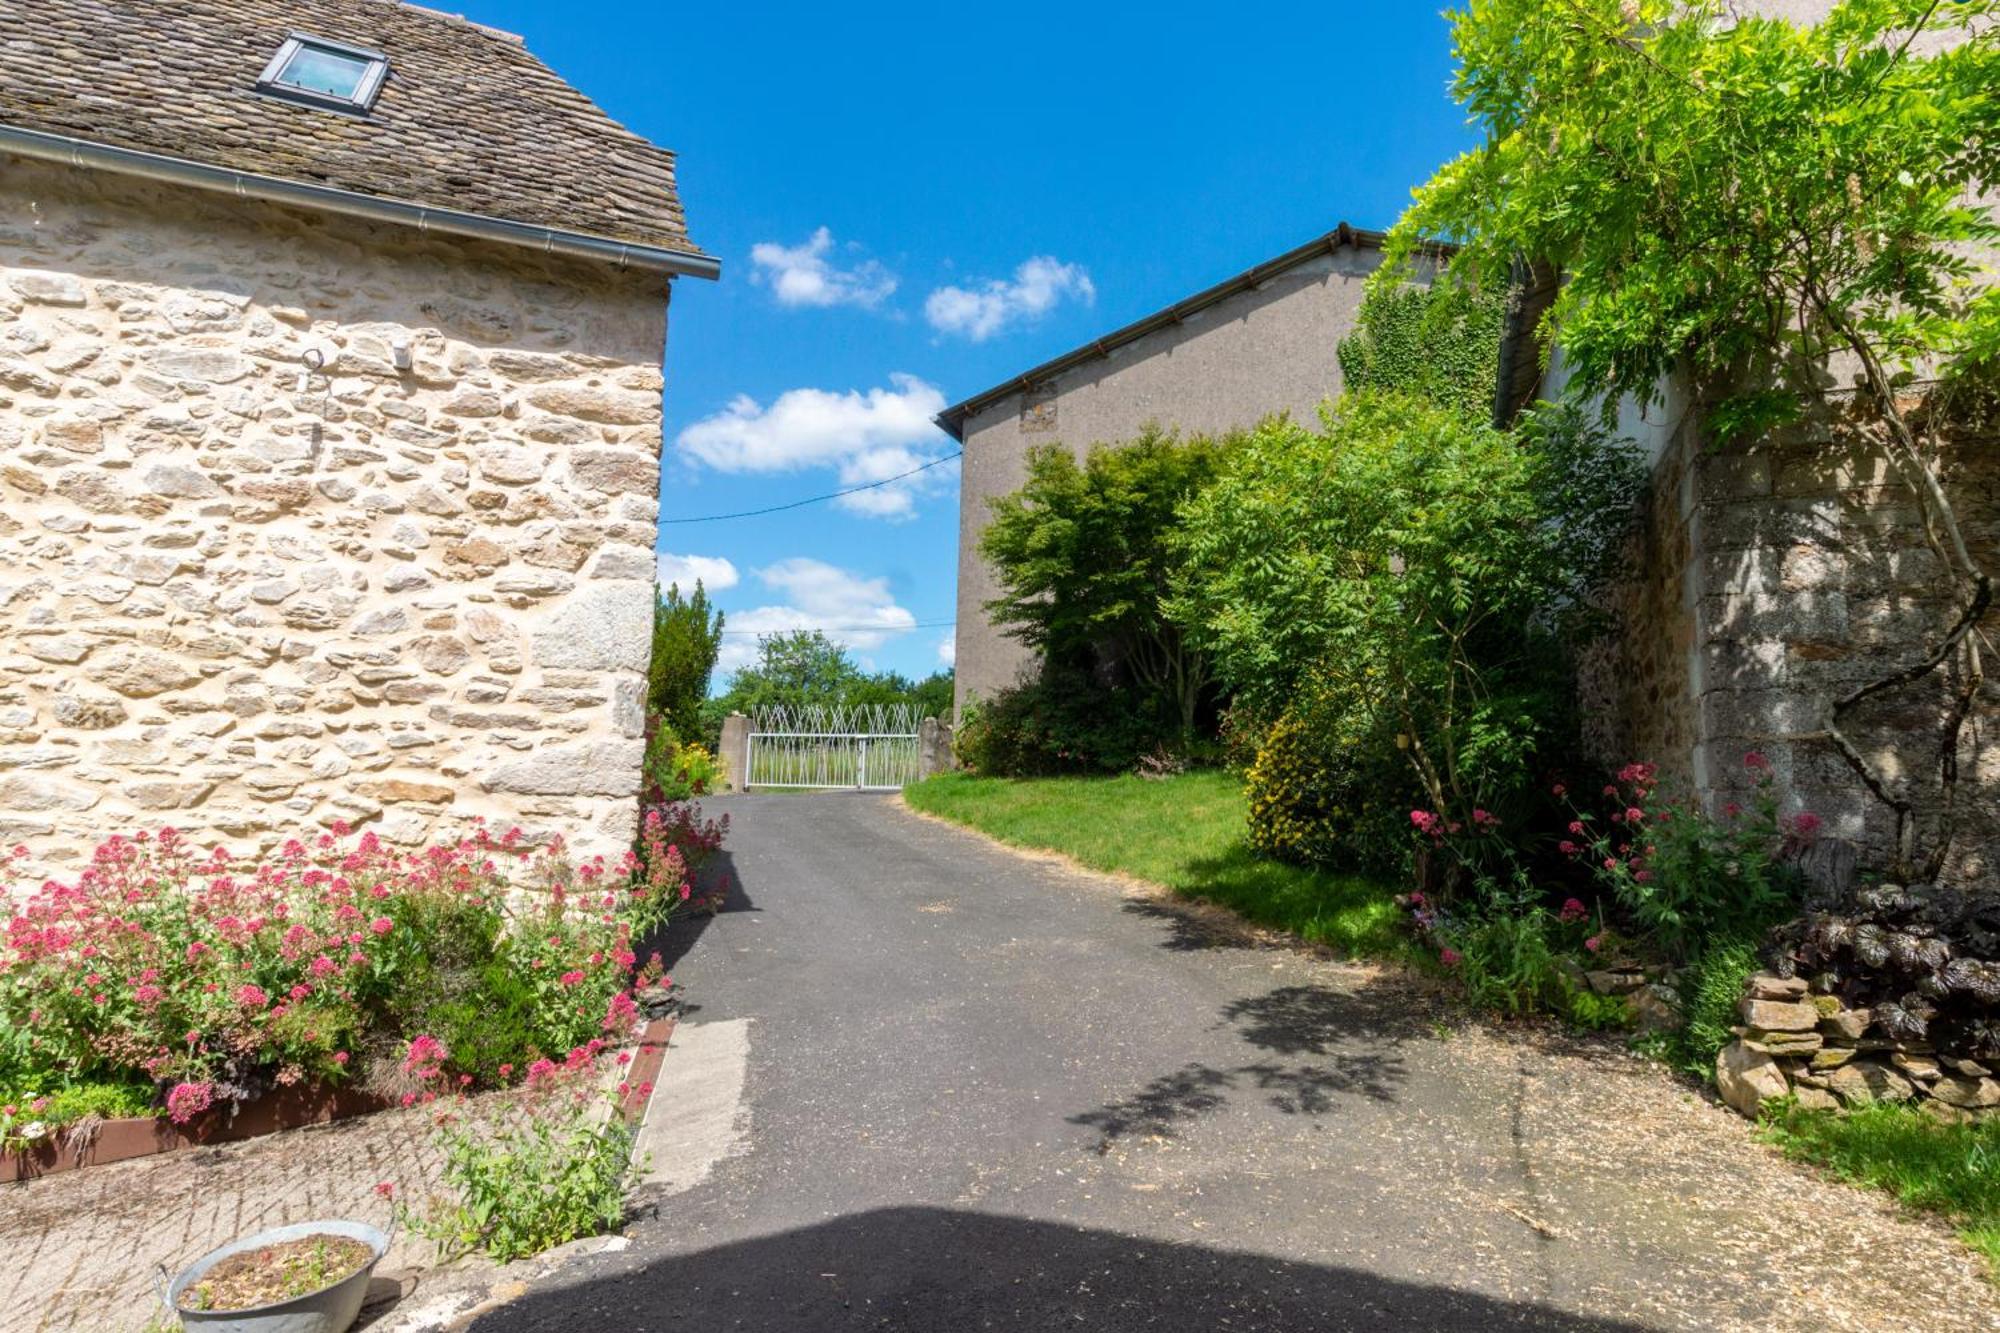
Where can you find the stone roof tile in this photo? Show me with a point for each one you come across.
(468, 119)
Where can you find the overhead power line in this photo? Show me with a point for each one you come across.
(876, 626)
(817, 499)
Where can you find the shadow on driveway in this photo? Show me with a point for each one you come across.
(1344, 1044)
(919, 1269)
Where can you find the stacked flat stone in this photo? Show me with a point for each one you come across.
(1811, 1046)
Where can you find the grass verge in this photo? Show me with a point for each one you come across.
(1186, 833)
(1952, 1170)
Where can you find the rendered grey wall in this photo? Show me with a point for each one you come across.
(1271, 349)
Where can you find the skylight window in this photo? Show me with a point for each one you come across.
(325, 73)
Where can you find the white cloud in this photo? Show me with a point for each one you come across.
(865, 437)
(853, 610)
(802, 275)
(713, 572)
(948, 650)
(982, 311)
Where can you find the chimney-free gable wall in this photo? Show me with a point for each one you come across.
(304, 520)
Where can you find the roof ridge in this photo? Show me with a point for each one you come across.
(953, 418)
(487, 28)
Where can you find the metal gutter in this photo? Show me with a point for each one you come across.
(952, 420)
(249, 185)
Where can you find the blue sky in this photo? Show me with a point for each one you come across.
(915, 202)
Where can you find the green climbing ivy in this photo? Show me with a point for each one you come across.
(1440, 343)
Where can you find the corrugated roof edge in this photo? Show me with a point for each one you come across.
(952, 420)
(380, 208)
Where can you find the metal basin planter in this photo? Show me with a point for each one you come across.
(328, 1310)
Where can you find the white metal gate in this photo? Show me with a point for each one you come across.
(834, 749)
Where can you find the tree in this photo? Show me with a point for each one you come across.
(805, 669)
(797, 669)
(687, 637)
(1408, 565)
(1084, 560)
(1761, 209)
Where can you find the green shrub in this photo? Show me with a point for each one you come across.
(1324, 789)
(676, 771)
(526, 1174)
(1429, 573)
(1711, 987)
(687, 638)
(1062, 722)
(33, 1115)
(485, 1018)
(1683, 876)
(1084, 554)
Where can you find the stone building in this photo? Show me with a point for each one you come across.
(331, 341)
(1259, 343)
(1775, 577)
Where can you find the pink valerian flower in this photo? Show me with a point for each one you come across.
(1634, 815)
(251, 997)
(424, 1056)
(381, 925)
(188, 1100)
(1593, 943)
(1756, 762)
(568, 979)
(1573, 910)
(386, 1190)
(1483, 821)
(1803, 826)
(1568, 848)
(1449, 956)
(340, 1057)
(622, 1015)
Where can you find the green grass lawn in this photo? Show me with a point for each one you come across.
(1953, 1170)
(1184, 832)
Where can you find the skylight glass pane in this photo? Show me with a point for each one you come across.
(315, 69)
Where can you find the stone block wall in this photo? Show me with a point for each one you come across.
(305, 519)
(1771, 579)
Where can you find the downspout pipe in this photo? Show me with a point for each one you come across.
(326, 198)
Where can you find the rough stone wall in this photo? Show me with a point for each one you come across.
(1638, 688)
(247, 598)
(1772, 580)
(1817, 579)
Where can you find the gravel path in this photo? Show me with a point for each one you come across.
(983, 1090)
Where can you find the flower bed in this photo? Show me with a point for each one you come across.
(198, 983)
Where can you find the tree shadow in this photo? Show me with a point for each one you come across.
(678, 937)
(1319, 1023)
(1156, 1109)
(1187, 932)
(928, 1270)
(1315, 1020)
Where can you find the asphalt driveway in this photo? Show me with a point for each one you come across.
(931, 1084)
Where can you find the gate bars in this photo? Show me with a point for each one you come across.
(869, 748)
